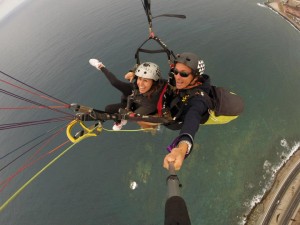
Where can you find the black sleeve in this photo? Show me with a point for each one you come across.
(197, 109)
(124, 87)
(144, 105)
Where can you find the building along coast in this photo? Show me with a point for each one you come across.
(288, 9)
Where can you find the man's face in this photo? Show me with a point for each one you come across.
(183, 76)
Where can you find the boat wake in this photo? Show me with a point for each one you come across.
(270, 174)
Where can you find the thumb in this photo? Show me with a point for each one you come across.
(168, 159)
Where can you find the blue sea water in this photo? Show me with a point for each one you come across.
(247, 48)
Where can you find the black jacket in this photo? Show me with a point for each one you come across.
(144, 104)
(139, 103)
(191, 113)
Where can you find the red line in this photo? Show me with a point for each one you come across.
(5, 182)
(42, 96)
(31, 161)
(34, 107)
(44, 145)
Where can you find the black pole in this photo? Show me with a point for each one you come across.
(176, 212)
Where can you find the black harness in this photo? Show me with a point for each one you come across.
(182, 99)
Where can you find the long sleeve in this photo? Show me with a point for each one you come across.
(124, 87)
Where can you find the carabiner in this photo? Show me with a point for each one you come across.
(85, 133)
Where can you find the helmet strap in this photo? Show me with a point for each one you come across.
(194, 82)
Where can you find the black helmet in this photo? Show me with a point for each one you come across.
(191, 60)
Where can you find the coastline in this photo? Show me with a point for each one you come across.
(290, 11)
(260, 210)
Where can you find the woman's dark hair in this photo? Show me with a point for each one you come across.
(157, 85)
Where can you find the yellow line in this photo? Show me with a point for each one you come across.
(137, 130)
(12, 197)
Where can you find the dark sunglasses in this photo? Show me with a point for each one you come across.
(182, 74)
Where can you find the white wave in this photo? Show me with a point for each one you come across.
(7, 6)
(261, 5)
(284, 143)
(270, 170)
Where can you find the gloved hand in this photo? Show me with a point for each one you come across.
(96, 63)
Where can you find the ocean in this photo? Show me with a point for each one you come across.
(246, 47)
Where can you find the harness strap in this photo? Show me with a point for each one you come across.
(98, 115)
(198, 91)
(163, 46)
(152, 51)
(146, 5)
(160, 100)
(183, 98)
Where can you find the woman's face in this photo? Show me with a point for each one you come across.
(182, 82)
(144, 84)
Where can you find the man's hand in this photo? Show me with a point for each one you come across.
(177, 156)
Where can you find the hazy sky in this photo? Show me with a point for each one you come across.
(7, 6)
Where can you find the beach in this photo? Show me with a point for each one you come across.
(289, 10)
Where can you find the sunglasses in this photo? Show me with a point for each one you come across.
(182, 74)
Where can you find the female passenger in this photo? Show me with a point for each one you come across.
(141, 95)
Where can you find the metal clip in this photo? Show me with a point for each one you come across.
(80, 108)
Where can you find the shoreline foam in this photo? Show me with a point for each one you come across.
(259, 199)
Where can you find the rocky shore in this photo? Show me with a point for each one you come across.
(288, 9)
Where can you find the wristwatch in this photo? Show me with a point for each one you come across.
(188, 144)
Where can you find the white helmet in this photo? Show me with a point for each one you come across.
(148, 70)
